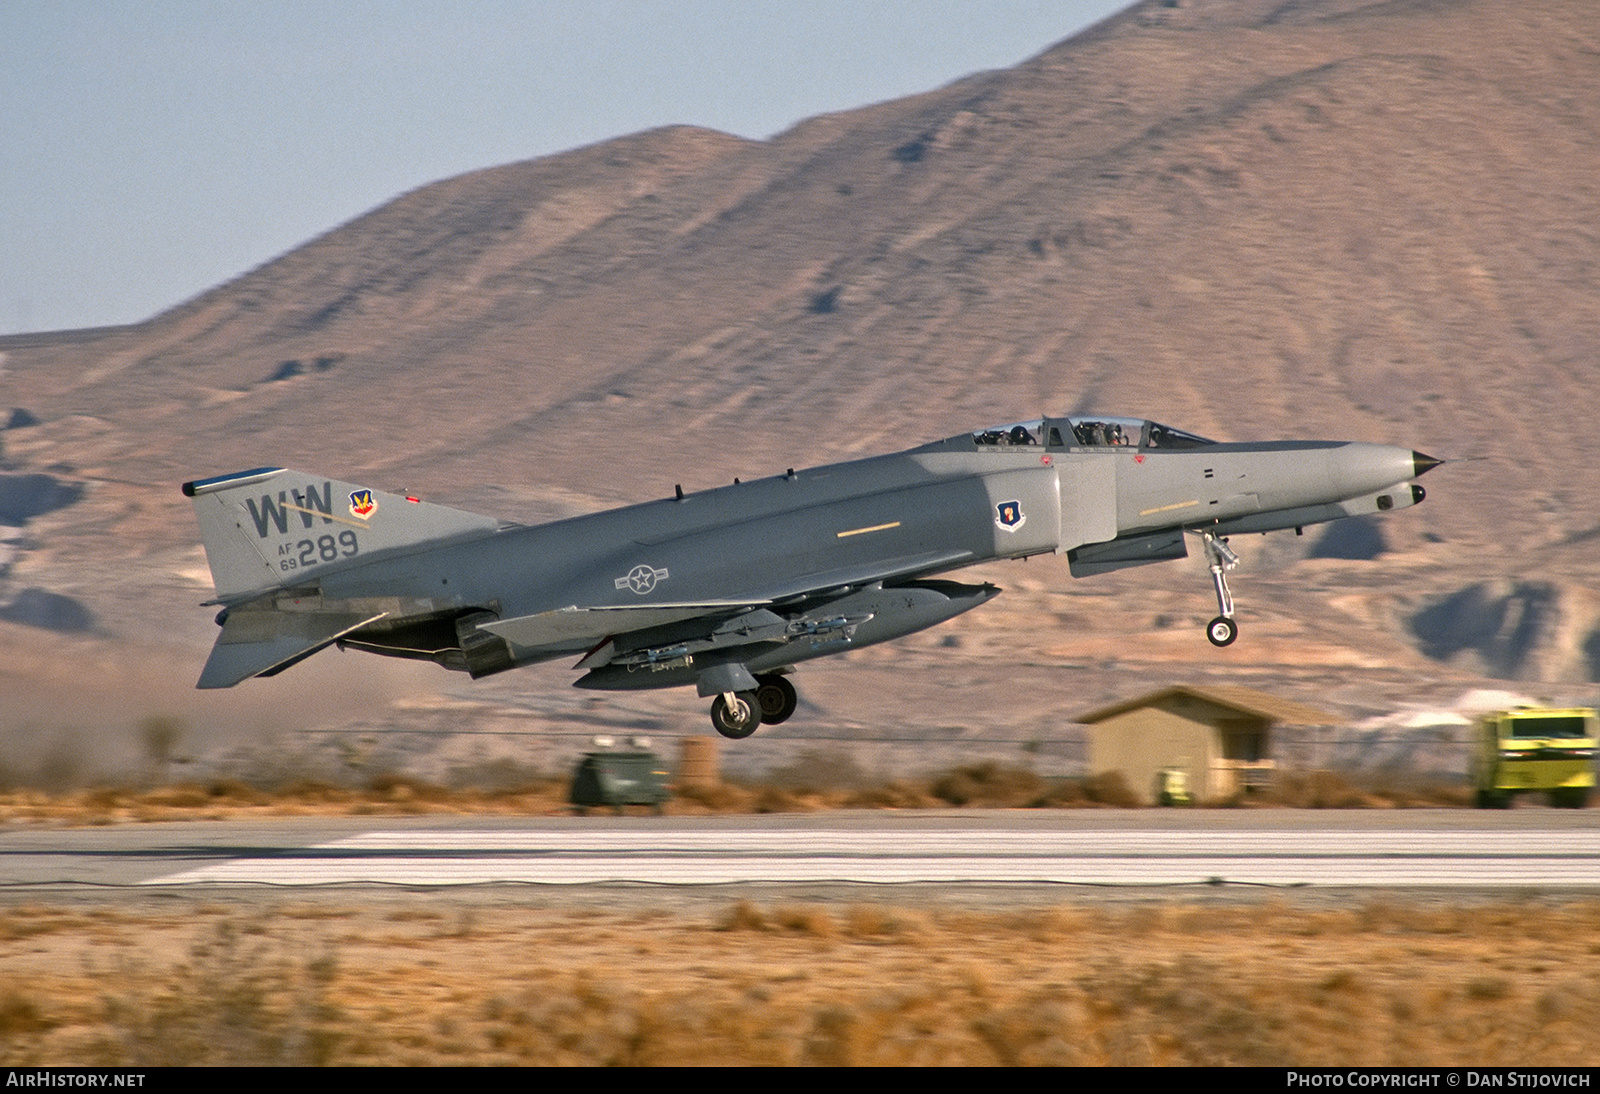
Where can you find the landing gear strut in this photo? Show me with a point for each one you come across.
(1222, 630)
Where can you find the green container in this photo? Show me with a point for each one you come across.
(621, 777)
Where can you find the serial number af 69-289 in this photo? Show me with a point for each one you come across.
(325, 548)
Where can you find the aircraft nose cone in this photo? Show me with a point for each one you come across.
(1422, 464)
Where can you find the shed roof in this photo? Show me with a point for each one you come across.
(1248, 700)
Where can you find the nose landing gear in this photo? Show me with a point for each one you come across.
(1222, 630)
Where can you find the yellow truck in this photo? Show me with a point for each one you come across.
(1535, 749)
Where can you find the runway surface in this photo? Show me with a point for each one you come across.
(1423, 849)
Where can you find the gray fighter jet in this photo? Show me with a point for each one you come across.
(728, 589)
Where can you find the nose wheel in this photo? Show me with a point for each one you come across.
(1222, 630)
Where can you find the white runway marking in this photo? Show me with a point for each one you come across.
(590, 856)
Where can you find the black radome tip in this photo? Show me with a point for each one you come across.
(1421, 464)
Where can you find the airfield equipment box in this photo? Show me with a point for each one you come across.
(1534, 749)
(620, 776)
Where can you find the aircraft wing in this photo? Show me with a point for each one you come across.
(576, 623)
(828, 581)
(593, 624)
(264, 642)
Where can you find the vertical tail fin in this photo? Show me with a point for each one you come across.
(271, 527)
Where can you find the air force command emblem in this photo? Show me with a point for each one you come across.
(1009, 516)
(362, 504)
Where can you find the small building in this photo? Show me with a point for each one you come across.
(1220, 737)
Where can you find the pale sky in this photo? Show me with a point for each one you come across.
(151, 150)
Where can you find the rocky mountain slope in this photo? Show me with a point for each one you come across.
(1248, 218)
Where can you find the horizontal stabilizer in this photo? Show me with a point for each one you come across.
(257, 642)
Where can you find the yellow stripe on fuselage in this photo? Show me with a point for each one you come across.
(1168, 508)
(864, 531)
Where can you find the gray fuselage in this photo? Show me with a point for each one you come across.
(765, 571)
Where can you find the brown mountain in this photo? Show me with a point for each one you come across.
(1249, 218)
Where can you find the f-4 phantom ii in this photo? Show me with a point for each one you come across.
(728, 589)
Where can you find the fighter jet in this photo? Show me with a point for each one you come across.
(729, 589)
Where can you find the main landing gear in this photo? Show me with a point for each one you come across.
(737, 714)
(1222, 630)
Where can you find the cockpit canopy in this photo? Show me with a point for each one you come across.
(1088, 431)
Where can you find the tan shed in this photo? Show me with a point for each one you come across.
(1220, 737)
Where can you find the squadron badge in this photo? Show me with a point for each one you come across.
(1009, 516)
(362, 504)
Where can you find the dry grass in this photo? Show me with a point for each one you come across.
(1335, 790)
(233, 798)
(1269, 984)
(809, 789)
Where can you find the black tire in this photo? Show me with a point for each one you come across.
(775, 698)
(1221, 631)
(739, 721)
(1570, 797)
